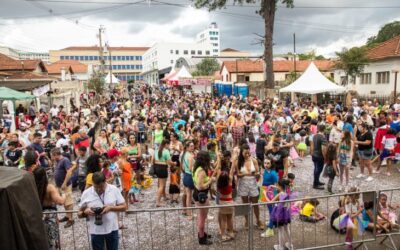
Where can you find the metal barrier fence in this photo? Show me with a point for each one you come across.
(167, 228)
(393, 195)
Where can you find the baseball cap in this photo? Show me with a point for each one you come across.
(113, 153)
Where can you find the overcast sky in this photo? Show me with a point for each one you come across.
(325, 26)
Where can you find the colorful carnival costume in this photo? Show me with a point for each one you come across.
(345, 221)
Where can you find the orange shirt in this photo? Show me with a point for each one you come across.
(173, 179)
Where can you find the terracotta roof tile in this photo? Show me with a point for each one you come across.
(27, 75)
(247, 66)
(111, 48)
(388, 49)
(229, 50)
(76, 66)
(7, 63)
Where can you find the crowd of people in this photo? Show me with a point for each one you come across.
(206, 148)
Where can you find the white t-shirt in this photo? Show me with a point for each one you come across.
(112, 196)
(54, 111)
(61, 142)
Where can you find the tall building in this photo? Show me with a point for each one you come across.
(211, 36)
(24, 55)
(125, 62)
(162, 57)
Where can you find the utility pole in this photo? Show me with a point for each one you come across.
(395, 85)
(109, 55)
(101, 51)
(294, 56)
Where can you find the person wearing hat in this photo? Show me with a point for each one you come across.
(279, 159)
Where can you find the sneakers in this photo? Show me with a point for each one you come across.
(388, 173)
(289, 246)
(278, 247)
(369, 179)
(376, 171)
(268, 233)
(360, 176)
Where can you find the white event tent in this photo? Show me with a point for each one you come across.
(182, 73)
(312, 81)
(114, 80)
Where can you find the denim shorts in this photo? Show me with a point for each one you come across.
(188, 181)
(366, 154)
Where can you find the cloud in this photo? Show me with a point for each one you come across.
(325, 30)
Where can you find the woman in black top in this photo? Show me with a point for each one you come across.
(365, 149)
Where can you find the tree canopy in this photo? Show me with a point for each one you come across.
(207, 67)
(267, 12)
(388, 31)
(352, 61)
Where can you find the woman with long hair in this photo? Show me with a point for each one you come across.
(162, 159)
(202, 183)
(345, 153)
(49, 199)
(134, 152)
(365, 150)
(93, 164)
(187, 162)
(102, 143)
(248, 171)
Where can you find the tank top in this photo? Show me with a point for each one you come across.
(133, 151)
(196, 176)
(158, 136)
(186, 163)
(244, 170)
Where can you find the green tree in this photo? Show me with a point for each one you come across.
(388, 31)
(267, 12)
(352, 61)
(310, 56)
(96, 83)
(207, 67)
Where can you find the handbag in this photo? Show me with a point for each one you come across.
(202, 196)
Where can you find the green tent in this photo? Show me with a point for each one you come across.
(13, 95)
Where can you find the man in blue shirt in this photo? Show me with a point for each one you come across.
(37, 146)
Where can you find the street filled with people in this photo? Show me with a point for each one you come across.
(201, 149)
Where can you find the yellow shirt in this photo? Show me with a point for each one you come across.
(89, 181)
(231, 120)
(314, 115)
(308, 210)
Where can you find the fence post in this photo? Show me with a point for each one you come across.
(251, 226)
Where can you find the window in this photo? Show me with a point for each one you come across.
(382, 77)
(215, 50)
(207, 52)
(123, 66)
(81, 58)
(365, 78)
(185, 52)
(138, 58)
(96, 58)
(247, 78)
(114, 67)
(118, 58)
(114, 58)
(172, 61)
(199, 52)
(62, 57)
(90, 58)
(131, 58)
(86, 58)
(192, 52)
(118, 66)
(172, 51)
(241, 78)
(138, 66)
(176, 52)
(211, 33)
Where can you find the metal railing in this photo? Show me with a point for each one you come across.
(166, 228)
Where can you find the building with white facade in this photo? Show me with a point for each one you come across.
(379, 76)
(162, 57)
(211, 36)
(24, 55)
